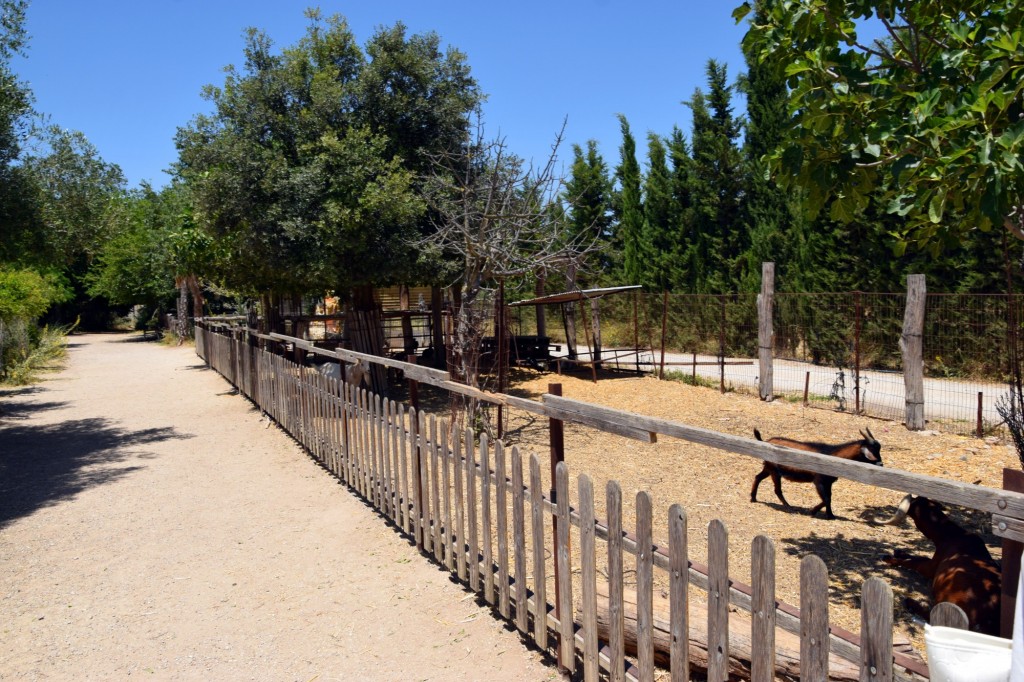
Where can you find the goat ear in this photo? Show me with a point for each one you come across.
(870, 456)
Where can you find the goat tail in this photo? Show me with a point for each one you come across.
(757, 435)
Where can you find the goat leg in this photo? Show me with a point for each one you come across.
(777, 480)
(824, 488)
(757, 482)
(919, 564)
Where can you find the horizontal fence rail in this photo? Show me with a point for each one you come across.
(555, 571)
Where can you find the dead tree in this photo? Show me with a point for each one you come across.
(501, 219)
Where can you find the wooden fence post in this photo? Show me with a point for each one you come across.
(1013, 480)
(765, 330)
(664, 329)
(911, 344)
(556, 438)
(414, 403)
(876, 631)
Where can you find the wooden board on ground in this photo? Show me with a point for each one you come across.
(787, 656)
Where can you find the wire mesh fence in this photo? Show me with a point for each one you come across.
(837, 351)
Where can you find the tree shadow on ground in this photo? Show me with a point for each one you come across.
(851, 560)
(23, 410)
(42, 465)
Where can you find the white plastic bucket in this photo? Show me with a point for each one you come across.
(956, 655)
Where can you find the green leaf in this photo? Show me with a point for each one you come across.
(741, 12)
(936, 207)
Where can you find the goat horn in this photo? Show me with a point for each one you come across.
(899, 516)
(866, 432)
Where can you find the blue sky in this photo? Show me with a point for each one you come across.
(129, 73)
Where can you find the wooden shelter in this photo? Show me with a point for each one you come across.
(594, 357)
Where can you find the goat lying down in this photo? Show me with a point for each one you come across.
(865, 450)
(961, 570)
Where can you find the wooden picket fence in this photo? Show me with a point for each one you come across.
(481, 511)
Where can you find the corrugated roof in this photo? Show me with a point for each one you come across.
(577, 295)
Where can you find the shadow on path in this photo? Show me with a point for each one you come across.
(41, 465)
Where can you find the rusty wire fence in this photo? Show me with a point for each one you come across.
(836, 351)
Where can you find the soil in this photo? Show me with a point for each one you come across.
(713, 484)
(153, 524)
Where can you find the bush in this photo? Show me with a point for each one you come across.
(25, 295)
(24, 363)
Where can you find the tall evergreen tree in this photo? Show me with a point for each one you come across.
(766, 213)
(629, 209)
(588, 193)
(717, 176)
(659, 234)
(681, 209)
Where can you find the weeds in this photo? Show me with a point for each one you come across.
(24, 365)
(690, 379)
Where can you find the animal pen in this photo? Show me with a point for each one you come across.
(835, 350)
(503, 525)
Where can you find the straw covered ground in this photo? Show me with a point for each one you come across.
(714, 484)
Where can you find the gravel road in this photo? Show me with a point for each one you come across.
(153, 525)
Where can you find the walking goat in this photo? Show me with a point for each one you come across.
(865, 450)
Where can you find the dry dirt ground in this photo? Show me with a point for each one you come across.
(152, 526)
(714, 484)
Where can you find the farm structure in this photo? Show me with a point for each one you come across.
(468, 504)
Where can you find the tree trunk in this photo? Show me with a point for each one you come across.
(181, 323)
(542, 325)
(364, 330)
(198, 300)
(271, 321)
(569, 316)
(436, 322)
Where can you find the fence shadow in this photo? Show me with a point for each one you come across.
(42, 465)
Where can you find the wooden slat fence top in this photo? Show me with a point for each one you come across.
(992, 500)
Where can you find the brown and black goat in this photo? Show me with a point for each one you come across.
(865, 450)
(961, 570)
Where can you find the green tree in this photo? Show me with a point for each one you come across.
(17, 209)
(587, 197)
(307, 172)
(716, 186)
(767, 212)
(930, 117)
(256, 166)
(629, 209)
(74, 187)
(659, 234)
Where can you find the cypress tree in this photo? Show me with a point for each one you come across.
(681, 208)
(767, 216)
(629, 209)
(588, 199)
(716, 184)
(658, 232)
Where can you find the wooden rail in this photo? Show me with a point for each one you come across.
(468, 505)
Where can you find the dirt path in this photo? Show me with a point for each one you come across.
(151, 525)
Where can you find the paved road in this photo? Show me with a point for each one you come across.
(950, 404)
(151, 524)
